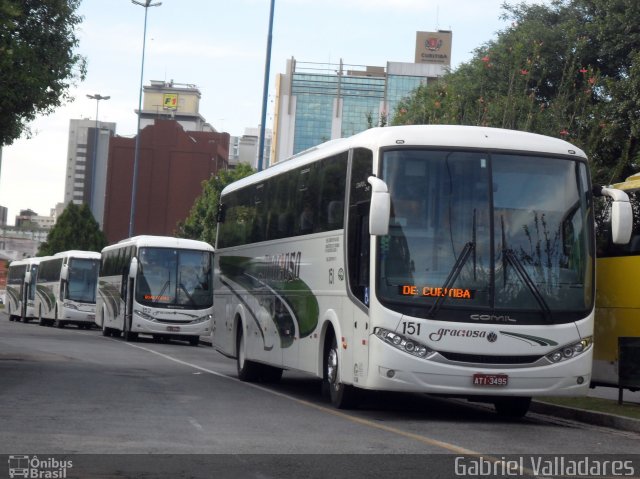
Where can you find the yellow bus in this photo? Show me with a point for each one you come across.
(617, 321)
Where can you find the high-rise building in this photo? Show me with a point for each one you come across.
(244, 149)
(173, 163)
(87, 153)
(317, 102)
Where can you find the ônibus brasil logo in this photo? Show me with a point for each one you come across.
(35, 468)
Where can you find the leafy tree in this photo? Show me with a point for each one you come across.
(569, 69)
(76, 228)
(201, 223)
(37, 60)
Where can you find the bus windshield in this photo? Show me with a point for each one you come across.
(170, 278)
(477, 233)
(83, 279)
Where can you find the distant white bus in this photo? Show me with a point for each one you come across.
(156, 285)
(436, 259)
(66, 289)
(21, 288)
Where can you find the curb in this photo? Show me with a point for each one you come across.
(590, 417)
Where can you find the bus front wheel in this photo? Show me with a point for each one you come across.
(247, 370)
(343, 396)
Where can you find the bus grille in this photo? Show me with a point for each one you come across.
(481, 359)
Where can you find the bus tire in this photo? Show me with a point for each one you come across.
(512, 407)
(106, 332)
(127, 334)
(248, 371)
(342, 396)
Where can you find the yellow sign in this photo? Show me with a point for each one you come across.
(170, 101)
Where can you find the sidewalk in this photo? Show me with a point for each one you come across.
(594, 417)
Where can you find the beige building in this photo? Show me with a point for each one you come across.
(173, 101)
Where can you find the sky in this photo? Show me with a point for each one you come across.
(220, 46)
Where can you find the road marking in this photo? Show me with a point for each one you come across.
(363, 422)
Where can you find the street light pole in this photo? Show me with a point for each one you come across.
(146, 4)
(97, 97)
(265, 90)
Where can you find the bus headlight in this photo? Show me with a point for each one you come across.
(570, 350)
(201, 319)
(70, 306)
(409, 346)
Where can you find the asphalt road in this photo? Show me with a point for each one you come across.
(75, 392)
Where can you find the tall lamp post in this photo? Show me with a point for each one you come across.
(97, 97)
(146, 4)
(265, 89)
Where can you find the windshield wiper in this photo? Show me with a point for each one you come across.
(469, 248)
(512, 259)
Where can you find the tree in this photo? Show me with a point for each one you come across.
(569, 69)
(37, 60)
(201, 223)
(77, 229)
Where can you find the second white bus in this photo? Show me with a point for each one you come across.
(156, 285)
(66, 289)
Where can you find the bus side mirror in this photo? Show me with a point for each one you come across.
(380, 208)
(133, 268)
(64, 272)
(621, 215)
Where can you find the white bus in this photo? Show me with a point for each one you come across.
(66, 289)
(21, 288)
(438, 259)
(156, 285)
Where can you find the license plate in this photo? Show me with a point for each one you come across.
(173, 329)
(490, 379)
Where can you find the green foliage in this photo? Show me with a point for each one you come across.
(77, 229)
(201, 223)
(569, 69)
(37, 60)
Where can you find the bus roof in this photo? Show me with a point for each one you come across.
(161, 242)
(77, 254)
(28, 261)
(432, 136)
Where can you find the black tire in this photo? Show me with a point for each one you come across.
(41, 322)
(248, 371)
(512, 407)
(127, 335)
(106, 332)
(58, 324)
(342, 396)
(194, 340)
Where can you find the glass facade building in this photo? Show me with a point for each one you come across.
(319, 102)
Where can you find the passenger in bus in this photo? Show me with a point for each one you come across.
(306, 219)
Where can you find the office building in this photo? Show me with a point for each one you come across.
(317, 102)
(172, 165)
(87, 152)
